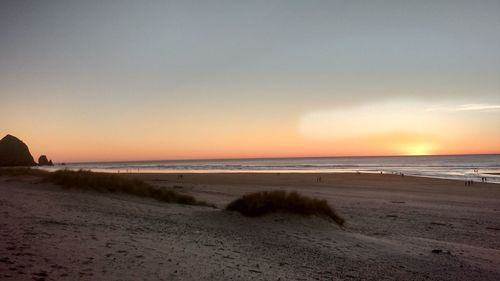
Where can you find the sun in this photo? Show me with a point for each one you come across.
(419, 149)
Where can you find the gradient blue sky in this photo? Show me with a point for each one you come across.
(120, 80)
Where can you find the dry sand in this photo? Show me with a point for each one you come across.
(393, 226)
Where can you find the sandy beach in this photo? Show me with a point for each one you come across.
(397, 228)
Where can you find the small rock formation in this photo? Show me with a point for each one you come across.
(14, 152)
(43, 161)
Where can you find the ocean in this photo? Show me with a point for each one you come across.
(462, 167)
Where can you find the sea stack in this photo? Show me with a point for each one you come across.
(43, 161)
(14, 152)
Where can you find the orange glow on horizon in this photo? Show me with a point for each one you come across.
(70, 151)
(216, 136)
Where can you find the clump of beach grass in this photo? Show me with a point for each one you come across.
(106, 183)
(22, 171)
(266, 202)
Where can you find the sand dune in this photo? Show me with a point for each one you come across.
(398, 228)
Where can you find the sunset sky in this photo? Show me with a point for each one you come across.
(144, 80)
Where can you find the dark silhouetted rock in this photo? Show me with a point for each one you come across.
(43, 161)
(14, 152)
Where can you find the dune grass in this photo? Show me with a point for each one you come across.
(106, 183)
(22, 171)
(262, 203)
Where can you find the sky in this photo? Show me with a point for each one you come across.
(150, 80)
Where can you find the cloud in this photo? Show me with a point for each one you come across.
(369, 119)
(467, 107)
(397, 116)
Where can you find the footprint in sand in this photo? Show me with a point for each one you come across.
(40, 276)
(56, 266)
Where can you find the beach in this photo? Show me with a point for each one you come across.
(397, 228)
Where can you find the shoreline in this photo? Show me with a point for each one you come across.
(491, 177)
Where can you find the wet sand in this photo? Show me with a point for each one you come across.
(398, 228)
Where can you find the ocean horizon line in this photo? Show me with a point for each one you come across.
(280, 158)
